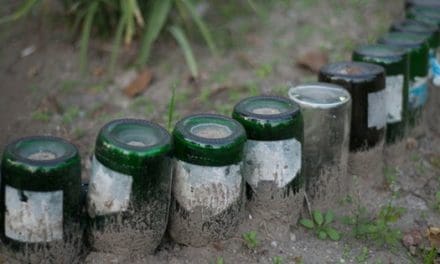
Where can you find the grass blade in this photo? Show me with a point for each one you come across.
(186, 48)
(22, 11)
(201, 25)
(117, 43)
(156, 18)
(171, 106)
(85, 36)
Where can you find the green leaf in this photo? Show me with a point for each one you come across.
(117, 42)
(186, 48)
(171, 106)
(22, 11)
(156, 18)
(317, 216)
(85, 36)
(322, 234)
(333, 234)
(307, 223)
(328, 217)
(201, 25)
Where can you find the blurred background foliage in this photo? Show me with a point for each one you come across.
(122, 21)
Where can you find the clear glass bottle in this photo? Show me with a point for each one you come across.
(326, 109)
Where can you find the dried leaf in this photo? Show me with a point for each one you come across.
(313, 60)
(412, 238)
(433, 234)
(411, 143)
(139, 85)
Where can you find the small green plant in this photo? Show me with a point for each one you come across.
(219, 260)
(363, 256)
(320, 223)
(429, 256)
(71, 113)
(378, 228)
(277, 260)
(41, 116)
(171, 106)
(250, 239)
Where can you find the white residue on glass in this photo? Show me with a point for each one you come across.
(211, 188)
(394, 95)
(33, 216)
(109, 191)
(274, 161)
(377, 109)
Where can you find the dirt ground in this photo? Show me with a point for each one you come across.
(44, 93)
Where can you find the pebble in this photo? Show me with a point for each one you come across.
(292, 237)
(274, 244)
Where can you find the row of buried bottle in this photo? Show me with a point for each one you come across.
(263, 156)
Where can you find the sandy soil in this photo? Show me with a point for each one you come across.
(43, 93)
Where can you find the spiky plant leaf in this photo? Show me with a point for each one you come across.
(186, 48)
(156, 18)
(85, 35)
(201, 25)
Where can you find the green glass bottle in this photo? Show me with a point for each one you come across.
(40, 200)
(418, 70)
(433, 4)
(208, 187)
(272, 164)
(395, 61)
(130, 187)
(366, 84)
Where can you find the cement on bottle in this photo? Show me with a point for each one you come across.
(394, 95)
(68, 250)
(207, 203)
(271, 161)
(109, 190)
(269, 167)
(33, 216)
(377, 110)
(138, 230)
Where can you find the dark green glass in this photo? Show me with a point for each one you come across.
(418, 70)
(362, 80)
(433, 4)
(395, 61)
(43, 165)
(420, 28)
(208, 139)
(112, 150)
(274, 119)
(133, 157)
(424, 14)
(268, 117)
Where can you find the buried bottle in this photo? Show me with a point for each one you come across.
(326, 109)
(366, 84)
(396, 64)
(434, 4)
(272, 163)
(418, 49)
(130, 187)
(40, 200)
(208, 187)
(432, 17)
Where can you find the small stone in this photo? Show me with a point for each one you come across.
(292, 237)
(341, 260)
(250, 217)
(413, 250)
(274, 244)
